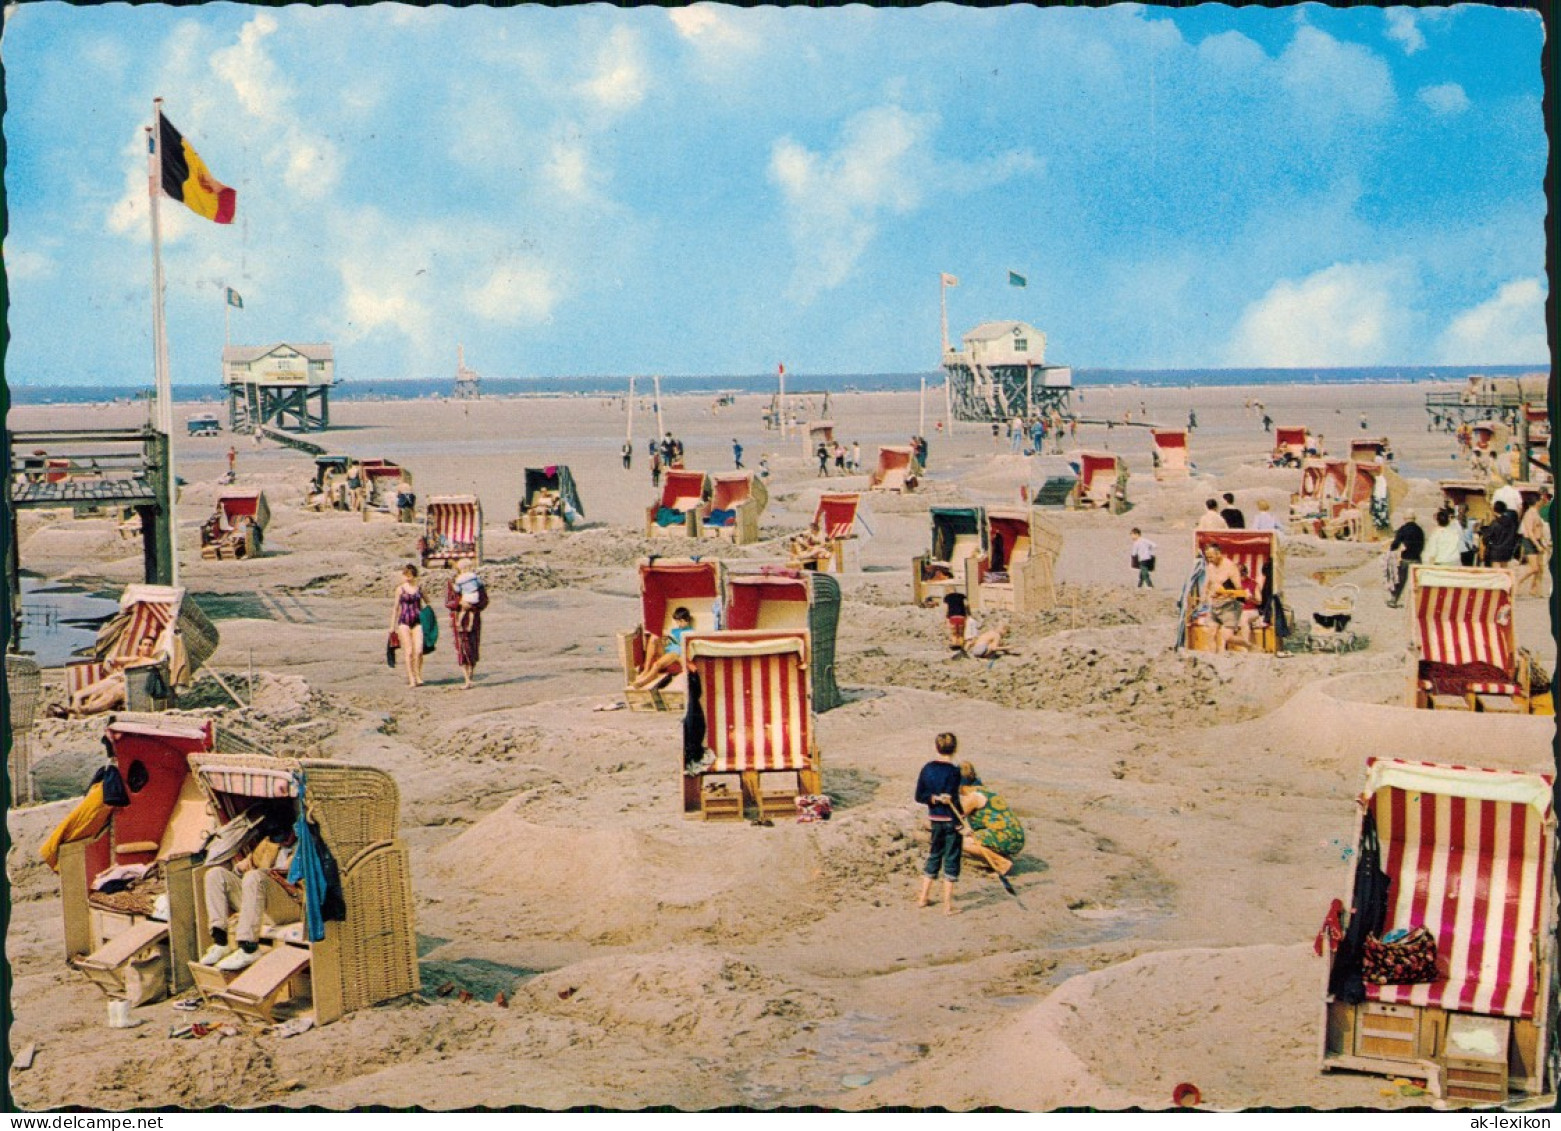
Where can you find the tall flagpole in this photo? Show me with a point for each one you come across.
(160, 330)
(943, 310)
(629, 434)
(656, 385)
(921, 429)
(783, 413)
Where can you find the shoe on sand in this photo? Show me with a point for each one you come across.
(239, 960)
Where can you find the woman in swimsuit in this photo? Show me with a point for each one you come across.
(406, 622)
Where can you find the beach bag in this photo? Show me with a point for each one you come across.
(430, 624)
(1403, 962)
(390, 649)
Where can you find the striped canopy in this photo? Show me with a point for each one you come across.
(456, 519)
(1250, 548)
(1467, 851)
(836, 515)
(1463, 615)
(756, 698)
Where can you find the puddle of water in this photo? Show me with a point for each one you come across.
(60, 620)
(851, 1047)
(233, 606)
(483, 979)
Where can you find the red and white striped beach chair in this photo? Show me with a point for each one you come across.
(676, 510)
(665, 585)
(1467, 852)
(791, 600)
(1102, 481)
(452, 529)
(1170, 453)
(756, 696)
(897, 469)
(1463, 652)
(180, 636)
(737, 498)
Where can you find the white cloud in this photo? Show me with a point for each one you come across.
(1347, 314)
(568, 169)
(27, 265)
(1508, 329)
(515, 293)
(1445, 98)
(310, 163)
(131, 214)
(710, 28)
(1404, 29)
(619, 80)
(834, 200)
(1329, 79)
(250, 72)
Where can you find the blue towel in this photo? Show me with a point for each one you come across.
(721, 518)
(666, 516)
(315, 868)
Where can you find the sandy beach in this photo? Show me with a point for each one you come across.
(1187, 815)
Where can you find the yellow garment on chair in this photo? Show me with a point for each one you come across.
(82, 823)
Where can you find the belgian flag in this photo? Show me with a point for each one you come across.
(186, 178)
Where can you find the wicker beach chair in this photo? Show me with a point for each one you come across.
(897, 469)
(365, 959)
(773, 599)
(1018, 569)
(665, 585)
(737, 499)
(1467, 854)
(758, 724)
(452, 530)
(1463, 648)
(1171, 453)
(677, 508)
(182, 638)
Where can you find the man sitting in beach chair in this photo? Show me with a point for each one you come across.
(261, 856)
(1227, 597)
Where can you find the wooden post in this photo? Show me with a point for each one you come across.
(158, 543)
(1522, 422)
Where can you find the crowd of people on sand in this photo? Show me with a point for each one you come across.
(845, 462)
(1516, 537)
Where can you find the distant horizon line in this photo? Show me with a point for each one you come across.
(1452, 369)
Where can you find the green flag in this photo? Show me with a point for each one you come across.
(1015, 279)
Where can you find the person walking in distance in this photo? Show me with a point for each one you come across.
(1143, 553)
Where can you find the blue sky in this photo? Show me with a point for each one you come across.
(714, 190)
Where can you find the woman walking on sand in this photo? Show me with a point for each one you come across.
(466, 597)
(406, 622)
